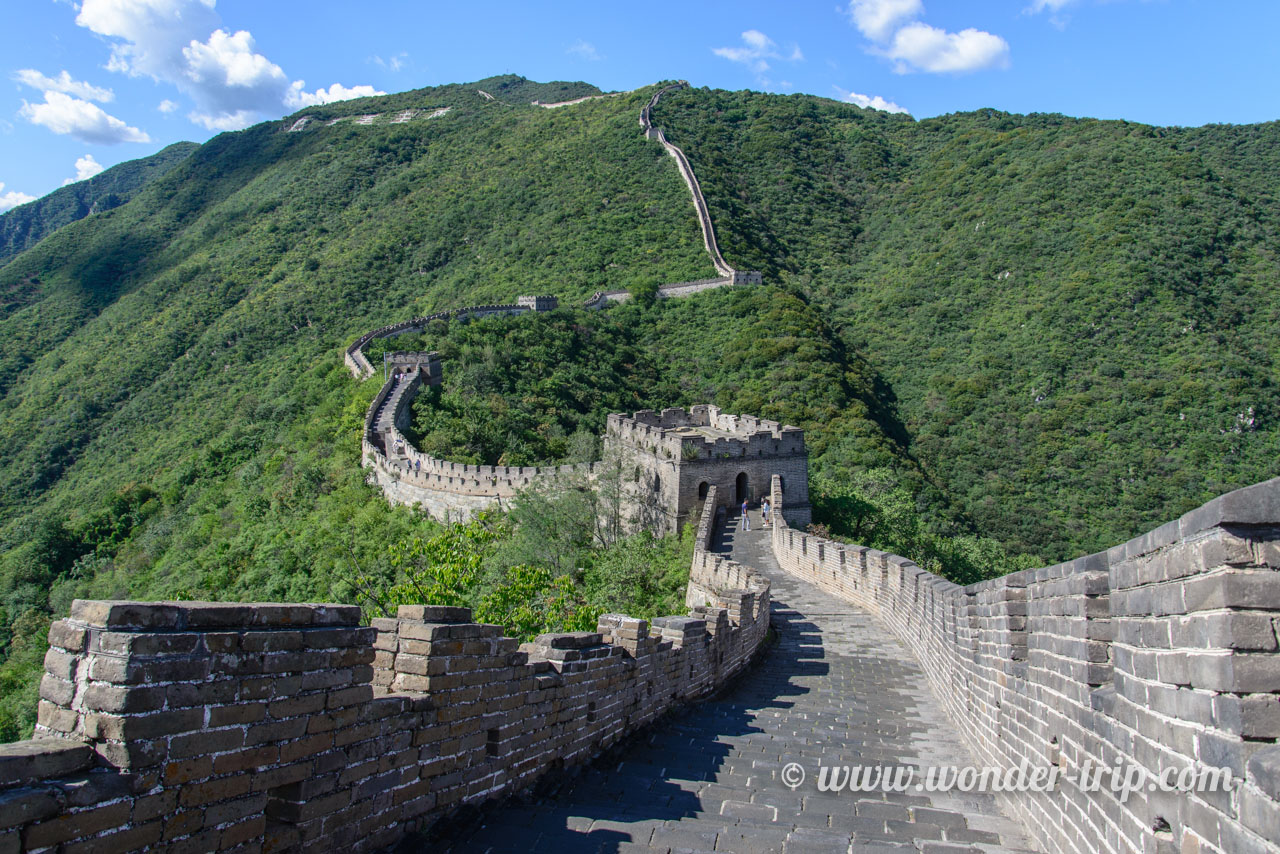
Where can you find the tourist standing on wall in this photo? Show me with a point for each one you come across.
(764, 512)
(746, 520)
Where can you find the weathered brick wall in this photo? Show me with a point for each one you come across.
(1161, 652)
(223, 727)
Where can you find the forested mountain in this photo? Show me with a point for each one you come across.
(1047, 331)
(26, 225)
(1077, 318)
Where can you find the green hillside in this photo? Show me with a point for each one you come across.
(1076, 318)
(26, 225)
(1049, 332)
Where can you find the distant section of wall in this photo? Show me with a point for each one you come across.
(686, 172)
(601, 299)
(194, 726)
(1160, 653)
(360, 366)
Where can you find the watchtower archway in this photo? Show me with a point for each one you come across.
(702, 490)
(742, 488)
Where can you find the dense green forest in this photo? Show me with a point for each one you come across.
(1076, 318)
(26, 225)
(1009, 338)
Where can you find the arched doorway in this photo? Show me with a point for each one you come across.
(743, 489)
(702, 490)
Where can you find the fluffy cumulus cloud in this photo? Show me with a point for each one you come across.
(756, 51)
(230, 81)
(82, 119)
(63, 83)
(183, 42)
(874, 102)
(895, 31)
(299, 98)
(12, 198)
(922, 47)
(877, 19)
(86, 168)
(68, 108)
(167, 106)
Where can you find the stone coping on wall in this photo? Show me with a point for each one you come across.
(1159, 653)
(207, 726)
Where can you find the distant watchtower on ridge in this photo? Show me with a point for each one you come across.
(677, 456)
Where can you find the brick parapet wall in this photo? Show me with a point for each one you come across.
(1161, 652)
(262, 727)
(657, 433)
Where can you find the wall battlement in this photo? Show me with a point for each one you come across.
(677, 434)
(1159, 653)
(209, 726)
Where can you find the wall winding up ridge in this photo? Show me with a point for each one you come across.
(1159, 653)
(686, 172)
(449, 490)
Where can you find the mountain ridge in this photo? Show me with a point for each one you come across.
(178, 422)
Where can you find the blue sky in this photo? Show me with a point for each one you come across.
(92, 83)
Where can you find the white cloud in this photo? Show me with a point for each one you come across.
(298, 98)
(1051, 5)
(229, 77)
(182, 42)
(64, 114)
(167, 106)
(874, 102)
(916, 46)
(395, 63)
(919, 46)
(877, 19)
(584, 50)
(86, 167)
(757, 48)
(237, 120)
(12, 199)
(151, 33)
(63, 83)
(756, 51)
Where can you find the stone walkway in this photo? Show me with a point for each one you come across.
(835, 690)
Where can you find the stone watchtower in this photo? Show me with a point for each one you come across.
(671, 459)
(539, 303)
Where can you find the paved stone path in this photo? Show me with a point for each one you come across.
(835, 690)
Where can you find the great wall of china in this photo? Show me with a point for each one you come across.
(187, 726)
(1160, 653)
(455, 491)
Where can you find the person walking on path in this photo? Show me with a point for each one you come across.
(764, 512)
(746, 520)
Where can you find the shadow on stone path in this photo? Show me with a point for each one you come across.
(835, 690)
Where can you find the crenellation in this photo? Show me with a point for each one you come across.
(292, 727)
(1149, 653)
